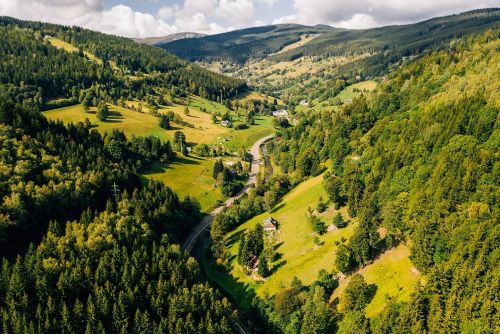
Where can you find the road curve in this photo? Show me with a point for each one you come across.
(207, 220)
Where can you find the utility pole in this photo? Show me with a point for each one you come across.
(115, 190)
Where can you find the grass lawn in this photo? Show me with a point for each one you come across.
(144, 124)
(300, 256)
(247, 137)
(348, 92)
(189, 176)
(131, 122)
(392, 273)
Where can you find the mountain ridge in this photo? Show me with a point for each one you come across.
(167, 38)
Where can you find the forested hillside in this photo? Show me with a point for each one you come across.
(421, 160)
(34, 71)
(241, 45)
(85, 246)
(406, 163)
(386, 45)
(418, 160)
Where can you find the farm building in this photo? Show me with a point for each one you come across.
(304, 103)
(254, 263)
(270, 224)
(225, 123)
(280, 113)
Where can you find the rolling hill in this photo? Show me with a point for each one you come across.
(241, 45)
(386, 45)
(168, 38)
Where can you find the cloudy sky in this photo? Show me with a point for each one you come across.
(145, 18)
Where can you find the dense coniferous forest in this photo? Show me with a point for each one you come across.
(86, 247)
(33, 70)
(113, 269)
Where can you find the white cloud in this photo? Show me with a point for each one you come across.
(371, 13)
(216, 16)
(118, 20)
(286, 19)
(204, 15)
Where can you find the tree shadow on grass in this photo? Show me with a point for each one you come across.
(277, 266)
(234, 238)
(276, 208)
(185, 161)
(371, 291)
(238, 292)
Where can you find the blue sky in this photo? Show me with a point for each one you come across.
(148, 18)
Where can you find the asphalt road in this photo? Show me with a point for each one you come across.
(207, 220)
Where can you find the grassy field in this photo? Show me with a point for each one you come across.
(131, 122)
(186, 176)
(349, 93)
(300, 256)
(392, 273)
(303, 40)
(144, 124)
(189, 176)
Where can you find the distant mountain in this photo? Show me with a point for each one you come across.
(403, 40)
(168, 38)
(240, 45)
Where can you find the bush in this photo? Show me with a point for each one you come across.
(338, 221)
(59, 103)
(317, 225)
(321, 206)
(241, 126)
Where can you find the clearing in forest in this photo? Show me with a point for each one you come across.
(392, 273)
(299, 256)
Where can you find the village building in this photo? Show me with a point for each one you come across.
(280, 113)
(254, 263)
(304, 103)
(225, 123)
(270, 224)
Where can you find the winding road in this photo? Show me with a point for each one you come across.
(207, 220)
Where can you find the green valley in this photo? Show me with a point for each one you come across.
(170, 174)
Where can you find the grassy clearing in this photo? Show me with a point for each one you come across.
(349, 94)
(258, 96)
(186, 176)
(300, 256)
(60, 44)
(189, 176)
(129, 121)
(144, 124)
(247, 137)
(304, 39)
(392, 273)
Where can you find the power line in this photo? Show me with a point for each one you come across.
(115, 190)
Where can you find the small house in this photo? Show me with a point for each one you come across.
(280, 113)
(254, 263)
(348, 101)
(304, 103)
(225, 123)
(270, 224)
